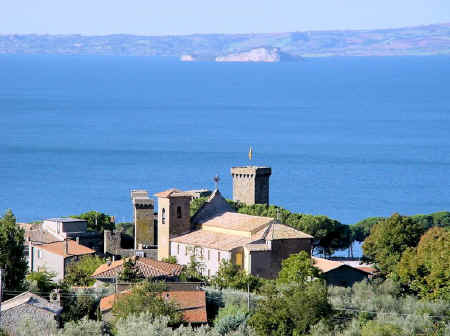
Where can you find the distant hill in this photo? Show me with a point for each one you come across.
(421, 40)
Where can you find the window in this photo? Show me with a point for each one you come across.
(209, 273)
(163, 216)
(185, 249)
(178, 249)
(208, 255)
(218, 256)
(179, 212)
(39, 253)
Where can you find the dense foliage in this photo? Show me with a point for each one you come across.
(388, 239)
(12, 254)
(130, 271)
(230, 275)
(97, 221)
(425, 270)
(193, 271)
(78, 273)
(297, 268)
(41, 283)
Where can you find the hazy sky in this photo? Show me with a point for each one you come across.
(157, 17)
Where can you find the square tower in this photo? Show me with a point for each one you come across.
(144, 218)
(174, 218)
(251, 184)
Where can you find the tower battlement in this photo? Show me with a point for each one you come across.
(143, 208)
(251, 184)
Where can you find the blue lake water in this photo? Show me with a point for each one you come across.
(345, 137)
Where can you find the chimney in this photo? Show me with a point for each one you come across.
(66, 246)
(77, 239)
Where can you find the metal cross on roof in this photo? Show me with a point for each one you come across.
(216, 181)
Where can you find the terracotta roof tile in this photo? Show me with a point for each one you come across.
(59, 248)
(214, 240)
(280, 231)
(326, 265)
(191, 303)
(238, 222)
(370, 270)
(148, 267)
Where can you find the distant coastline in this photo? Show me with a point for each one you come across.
(292, 46)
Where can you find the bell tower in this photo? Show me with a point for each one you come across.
(174, 218)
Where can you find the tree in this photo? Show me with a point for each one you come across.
(361, 230)
(170, 260)
(425, 270)
(79, 272)
(12, 255)
(76, 306)
(231, 276)
(147, 297)
(290, 310)
(388, 239)
(196, 204)
(130, 271)
(376, 328)
(297, 268)
(41, 283)
(97, 221)
(193, 271)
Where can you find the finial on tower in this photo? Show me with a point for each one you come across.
(250, 153)
(216, 181)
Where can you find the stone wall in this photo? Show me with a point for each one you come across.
(251, 184)
(11, 318)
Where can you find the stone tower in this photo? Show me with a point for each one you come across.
(251, 184)
(144, 218)
(174, 218)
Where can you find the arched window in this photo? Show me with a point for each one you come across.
(163, 216)
(179, 212)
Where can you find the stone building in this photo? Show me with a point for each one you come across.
(217, 233)
(28, 306)
(144, 219)
(251, 184)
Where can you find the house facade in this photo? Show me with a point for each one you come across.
(55, 257)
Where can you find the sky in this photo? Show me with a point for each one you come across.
(175, 17)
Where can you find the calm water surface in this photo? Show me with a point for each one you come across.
(345, 137)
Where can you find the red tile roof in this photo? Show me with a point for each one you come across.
(59, 248)
(191, 303)
(149, 268)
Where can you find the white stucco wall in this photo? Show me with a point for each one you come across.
(211, 258)
(47, 261)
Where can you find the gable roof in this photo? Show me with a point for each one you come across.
(30, 299)
(214, 206)
(232, 221)
(149, 268)
(59, 248)
(326, 265)
(191, 303)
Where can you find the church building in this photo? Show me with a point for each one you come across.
(217, 232)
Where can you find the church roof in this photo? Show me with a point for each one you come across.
(280, 231)
(238, 222)
(213, 240)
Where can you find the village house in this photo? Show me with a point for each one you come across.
(337, 273)
(148, 268)
(191, 303)
(55, 257)
(28, 306)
